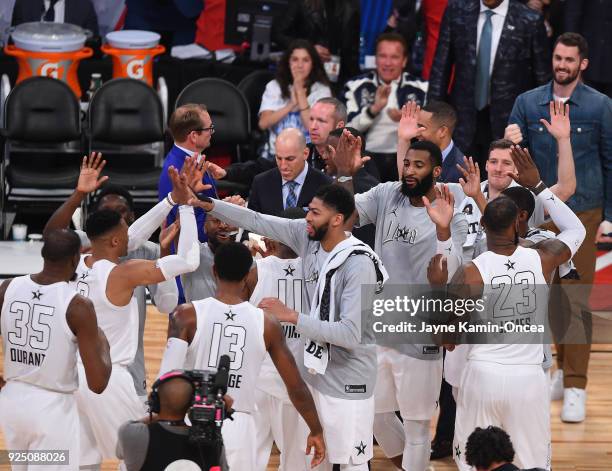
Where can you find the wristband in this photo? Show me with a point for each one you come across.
(539, 188)
(444, 247)
(170, 200)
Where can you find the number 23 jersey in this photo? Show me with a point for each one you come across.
(238, 331)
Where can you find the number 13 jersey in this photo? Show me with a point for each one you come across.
(235, 330)
(39, 347)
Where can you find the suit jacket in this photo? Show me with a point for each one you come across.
(592, 19)
(522, 62)
(450, 174)
(267, 193)
(77, 12)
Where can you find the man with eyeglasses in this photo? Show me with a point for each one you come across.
(192, 129)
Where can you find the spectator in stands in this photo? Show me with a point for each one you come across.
(292, 183)
(300, 81)
(438, 120)
(174, 20)
(593, 20)
(508, 55)
(326, 115)
(591, 141)
(403, 20)
(76, 12)
(374, 100)
(192, 130)
(490, 449)
(331, 25)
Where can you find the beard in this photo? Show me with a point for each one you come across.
(319, 232)
(569, 79)
(420, 189)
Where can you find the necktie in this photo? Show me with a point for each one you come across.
(291, 200)
(50, 13)
(483, 63)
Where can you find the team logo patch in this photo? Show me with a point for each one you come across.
(355, 388)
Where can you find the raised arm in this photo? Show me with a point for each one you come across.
(296, 387)
(181, 329)
(560, 128)
(290, 232)
(89, 181)
(407, 130)
(92, 343)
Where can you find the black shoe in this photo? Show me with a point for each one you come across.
(441, 449)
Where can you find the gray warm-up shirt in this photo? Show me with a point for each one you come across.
(201, 284)
(406, 241)
(351, 371)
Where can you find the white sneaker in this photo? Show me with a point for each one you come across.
(574, 405)
(556, 386)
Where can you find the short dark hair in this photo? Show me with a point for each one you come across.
(100, 222)
(233, 261)
(443, 113)
(116, 190)
(60, 245)
(338, 198)
(500, 144)
(487, 446)
(338, 133)
(184, 119)
(522, 197)
(393, 37)
(499, 214)
(574, 40)
(340, 113)
(435, 154)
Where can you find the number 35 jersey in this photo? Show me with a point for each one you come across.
(234, 330)
(39, 347)
(517, 295)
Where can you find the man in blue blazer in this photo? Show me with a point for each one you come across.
(191, 128)
(437, 121)
(76, 12)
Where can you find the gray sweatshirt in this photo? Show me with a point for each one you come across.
(351, 371)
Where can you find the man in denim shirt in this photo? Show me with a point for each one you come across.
(591, 137)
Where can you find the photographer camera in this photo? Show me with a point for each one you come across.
(157, 441)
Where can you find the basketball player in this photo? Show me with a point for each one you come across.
(414, 220)
(110, 284)
(200, 332)
(339, 358)
(116, 198)
(44, 323)
(279, 274)
(504, 384)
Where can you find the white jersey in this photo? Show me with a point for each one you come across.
(282, 279)
(235, 330)
(39, 347)
(119, 323)
(523, 267)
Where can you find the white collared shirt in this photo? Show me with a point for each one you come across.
(447, 150)
(497, 22)
(300, 183)
(190, 153)
(59, 8)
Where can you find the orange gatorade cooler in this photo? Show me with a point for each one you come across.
(132, 52)
(49, 50)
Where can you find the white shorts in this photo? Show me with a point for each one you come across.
(101, 415)
(279, 421)
(239, 441)
(37, 419)
(347, 428)
(512, 397)
(407, 384)
(454, 364)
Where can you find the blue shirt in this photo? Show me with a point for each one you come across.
(176, 157)
(591, 137)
